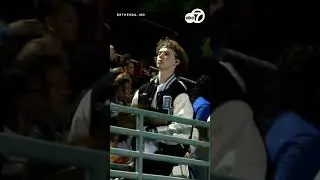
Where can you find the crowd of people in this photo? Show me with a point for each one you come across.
(45, 95)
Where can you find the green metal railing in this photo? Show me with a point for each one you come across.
(139, 154)
(20, 146)
(95, 161)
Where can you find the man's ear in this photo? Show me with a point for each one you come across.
(177, 62)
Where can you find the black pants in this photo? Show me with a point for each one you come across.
(163, 168)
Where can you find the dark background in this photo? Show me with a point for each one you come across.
(138, 36)
(262, 28)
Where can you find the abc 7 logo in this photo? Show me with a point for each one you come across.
(196, 16)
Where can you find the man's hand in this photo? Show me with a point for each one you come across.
(26, 27)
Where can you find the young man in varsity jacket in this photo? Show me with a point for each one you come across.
(166, 94)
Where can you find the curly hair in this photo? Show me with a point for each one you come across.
(179, 53)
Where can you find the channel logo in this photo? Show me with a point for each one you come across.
(196, 16)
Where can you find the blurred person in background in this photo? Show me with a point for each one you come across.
(293, 140)
(124, 82)
(129, 69)
(14, 36)
(127, 65)
(238, 149)
(52, 90)
(59, 17)
(104, 91)
(201, 105)
(123, 92)
(12, 39)
(202, 110)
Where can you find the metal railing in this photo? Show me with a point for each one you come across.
(94, 161)
(139, 154)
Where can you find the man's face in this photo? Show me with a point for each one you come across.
(130, 69)
(166, 59)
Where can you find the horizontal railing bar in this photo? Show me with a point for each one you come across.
(134, 175)
(124, 152)
(123, 174)
(121, 167)
(161, 137)
(124, 131)
(173, 159)
(50, 152)
(156, 136)
(159, 157)
(151, 114)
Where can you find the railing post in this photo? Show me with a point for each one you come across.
(140, 146)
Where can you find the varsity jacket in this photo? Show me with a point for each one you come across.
(171, 98)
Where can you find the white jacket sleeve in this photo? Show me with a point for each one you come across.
(81, 120)
(226, 124)
(135, 98)
(182, 107)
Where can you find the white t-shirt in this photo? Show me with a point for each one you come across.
(237, 147)
(81, 120)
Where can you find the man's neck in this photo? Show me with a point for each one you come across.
(165, 75)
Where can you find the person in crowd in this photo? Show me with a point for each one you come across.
(129, 69)
(122, 94)
(103, 92)
(61, 23)
(23, 27)
(51, 90)
(293, 140)
(237, 147)
(127, 65)
(166, 94)
(14, 36)
(201, 105)
(124, 91)
(202, 110)
(115, 62)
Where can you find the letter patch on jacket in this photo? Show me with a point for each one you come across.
(166, 104)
